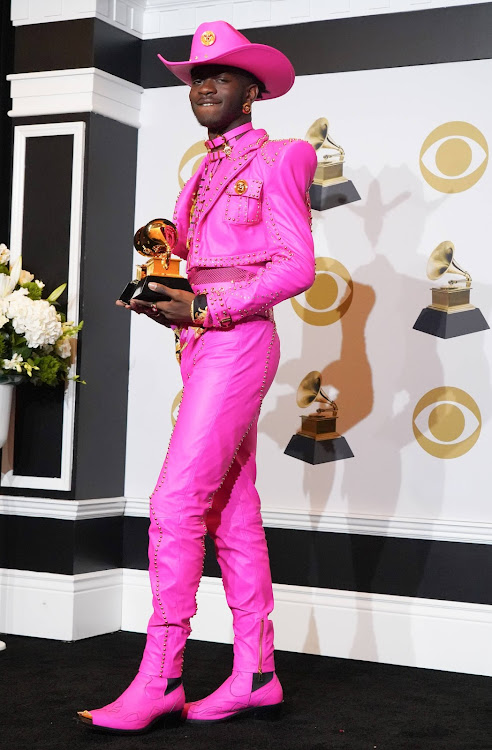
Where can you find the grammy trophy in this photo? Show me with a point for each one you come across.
(155, 240)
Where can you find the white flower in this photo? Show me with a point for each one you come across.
(3, 320)
(8, 283)
(39, 283)
(25, 277)
(4, 254)
(37, 320)
(63, 348)
(13, 364)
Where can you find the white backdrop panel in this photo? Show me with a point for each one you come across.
(372, 356)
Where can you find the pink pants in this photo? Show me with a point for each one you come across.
(207, 484)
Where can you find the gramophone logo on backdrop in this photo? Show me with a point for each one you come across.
(329, 297)
(451, 312)
(330, 188)
(190, 161)
(318, 441)
(454, 157)
(446, 422)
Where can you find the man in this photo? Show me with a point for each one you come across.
(243, 224)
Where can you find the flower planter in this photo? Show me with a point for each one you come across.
(6, 393)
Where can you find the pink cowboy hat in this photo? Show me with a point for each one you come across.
(220, 43)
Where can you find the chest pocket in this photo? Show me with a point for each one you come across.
(243, 201)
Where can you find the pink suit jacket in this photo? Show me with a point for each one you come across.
(256, 215)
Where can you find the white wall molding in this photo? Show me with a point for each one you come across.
(66, 510)
(344, 624)
(406, 528)
(442, 530)
(76, 90)
(152, 19)
(123, 14)
(21, 134)
(61, 607)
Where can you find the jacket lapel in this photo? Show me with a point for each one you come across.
(185, 200)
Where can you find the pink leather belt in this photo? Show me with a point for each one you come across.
(211, 276)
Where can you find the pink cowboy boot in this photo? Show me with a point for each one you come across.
(145, 702)
(242, 694)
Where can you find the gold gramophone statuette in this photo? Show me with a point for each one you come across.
(451, 313)
(330, 188)
(456, 294)
(321, 424)
(329, 154)
(318, 440)
(156, 241)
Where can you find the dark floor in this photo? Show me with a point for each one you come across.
(329, 703)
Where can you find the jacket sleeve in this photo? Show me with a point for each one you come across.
(287, 215)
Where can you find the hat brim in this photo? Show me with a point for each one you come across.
(268, 64)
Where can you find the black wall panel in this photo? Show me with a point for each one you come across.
(85, 43)
(6, 67)
(109, 207)
(354, 562)
(53, 545)
(106, 266)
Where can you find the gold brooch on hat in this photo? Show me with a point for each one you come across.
(207, 38)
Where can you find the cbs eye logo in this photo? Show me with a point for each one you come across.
(329, 297)
(454, 157)
(175, 406)
(191, 160)
(446, 422)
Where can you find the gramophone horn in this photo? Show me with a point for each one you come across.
(310, 390)
(317, 133)
(441, 261)
(157, 235)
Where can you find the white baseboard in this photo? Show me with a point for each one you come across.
(62, 607)
(427, 633)
(65, 510)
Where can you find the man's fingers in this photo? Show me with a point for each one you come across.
(163, 289)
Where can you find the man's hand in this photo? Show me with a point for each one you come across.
(177, 311)
(140, 307)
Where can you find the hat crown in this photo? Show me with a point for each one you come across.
(213, 39)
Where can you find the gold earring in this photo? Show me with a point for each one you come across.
(246, 108)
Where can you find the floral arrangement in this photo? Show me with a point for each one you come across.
(35, 339)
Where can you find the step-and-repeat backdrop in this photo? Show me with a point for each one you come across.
(413, 407)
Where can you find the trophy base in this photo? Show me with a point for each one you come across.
(318, 451)
(127, 292)
(447, 325)
(337, 193)
(139, 290)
